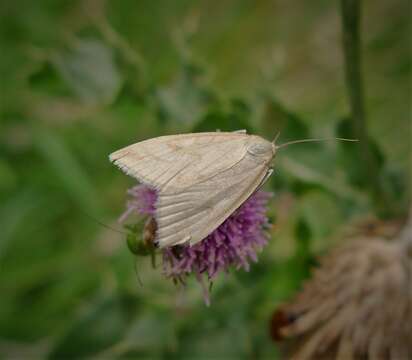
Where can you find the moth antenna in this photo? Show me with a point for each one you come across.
(104, 225)
(276, 138)
(313, 140)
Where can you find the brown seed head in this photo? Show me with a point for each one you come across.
(358, 305)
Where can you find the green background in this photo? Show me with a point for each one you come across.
(80, 79)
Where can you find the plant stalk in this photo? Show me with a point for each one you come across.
(351, 24)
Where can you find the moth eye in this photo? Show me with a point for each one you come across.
(260, 148)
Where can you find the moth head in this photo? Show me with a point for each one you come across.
(260, 147)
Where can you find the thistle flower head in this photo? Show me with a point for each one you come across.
(357, 305)
(234, 244)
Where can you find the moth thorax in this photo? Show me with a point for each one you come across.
(149, 231)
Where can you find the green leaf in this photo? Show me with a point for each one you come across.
(149, 331)
(303, 234)
(8, 177)
(13, 214)
(199, 347)
(68, 171)
(46, 79)
(186, 99)
(302, 258)
(349, 155)
(89, 69)
(232, 119)
(309, 175)
(277, 119)
(98, 328)
(322, 227)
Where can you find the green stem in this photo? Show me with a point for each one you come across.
(351, 23)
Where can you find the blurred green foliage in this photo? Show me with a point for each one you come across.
(79, 79)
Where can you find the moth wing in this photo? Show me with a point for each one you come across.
(171, 163)
(193, 213)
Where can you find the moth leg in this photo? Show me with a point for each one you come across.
(185, 241)
(243, 131)
(267, 176)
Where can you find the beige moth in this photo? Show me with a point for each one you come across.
(200, 178)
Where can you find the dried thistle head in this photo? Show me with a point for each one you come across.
(358, 305)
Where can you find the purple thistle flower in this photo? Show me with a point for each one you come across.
(233, 244)
(142, 200)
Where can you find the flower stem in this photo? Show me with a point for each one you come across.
(351, 24)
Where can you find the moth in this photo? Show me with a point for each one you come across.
(200, 178)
